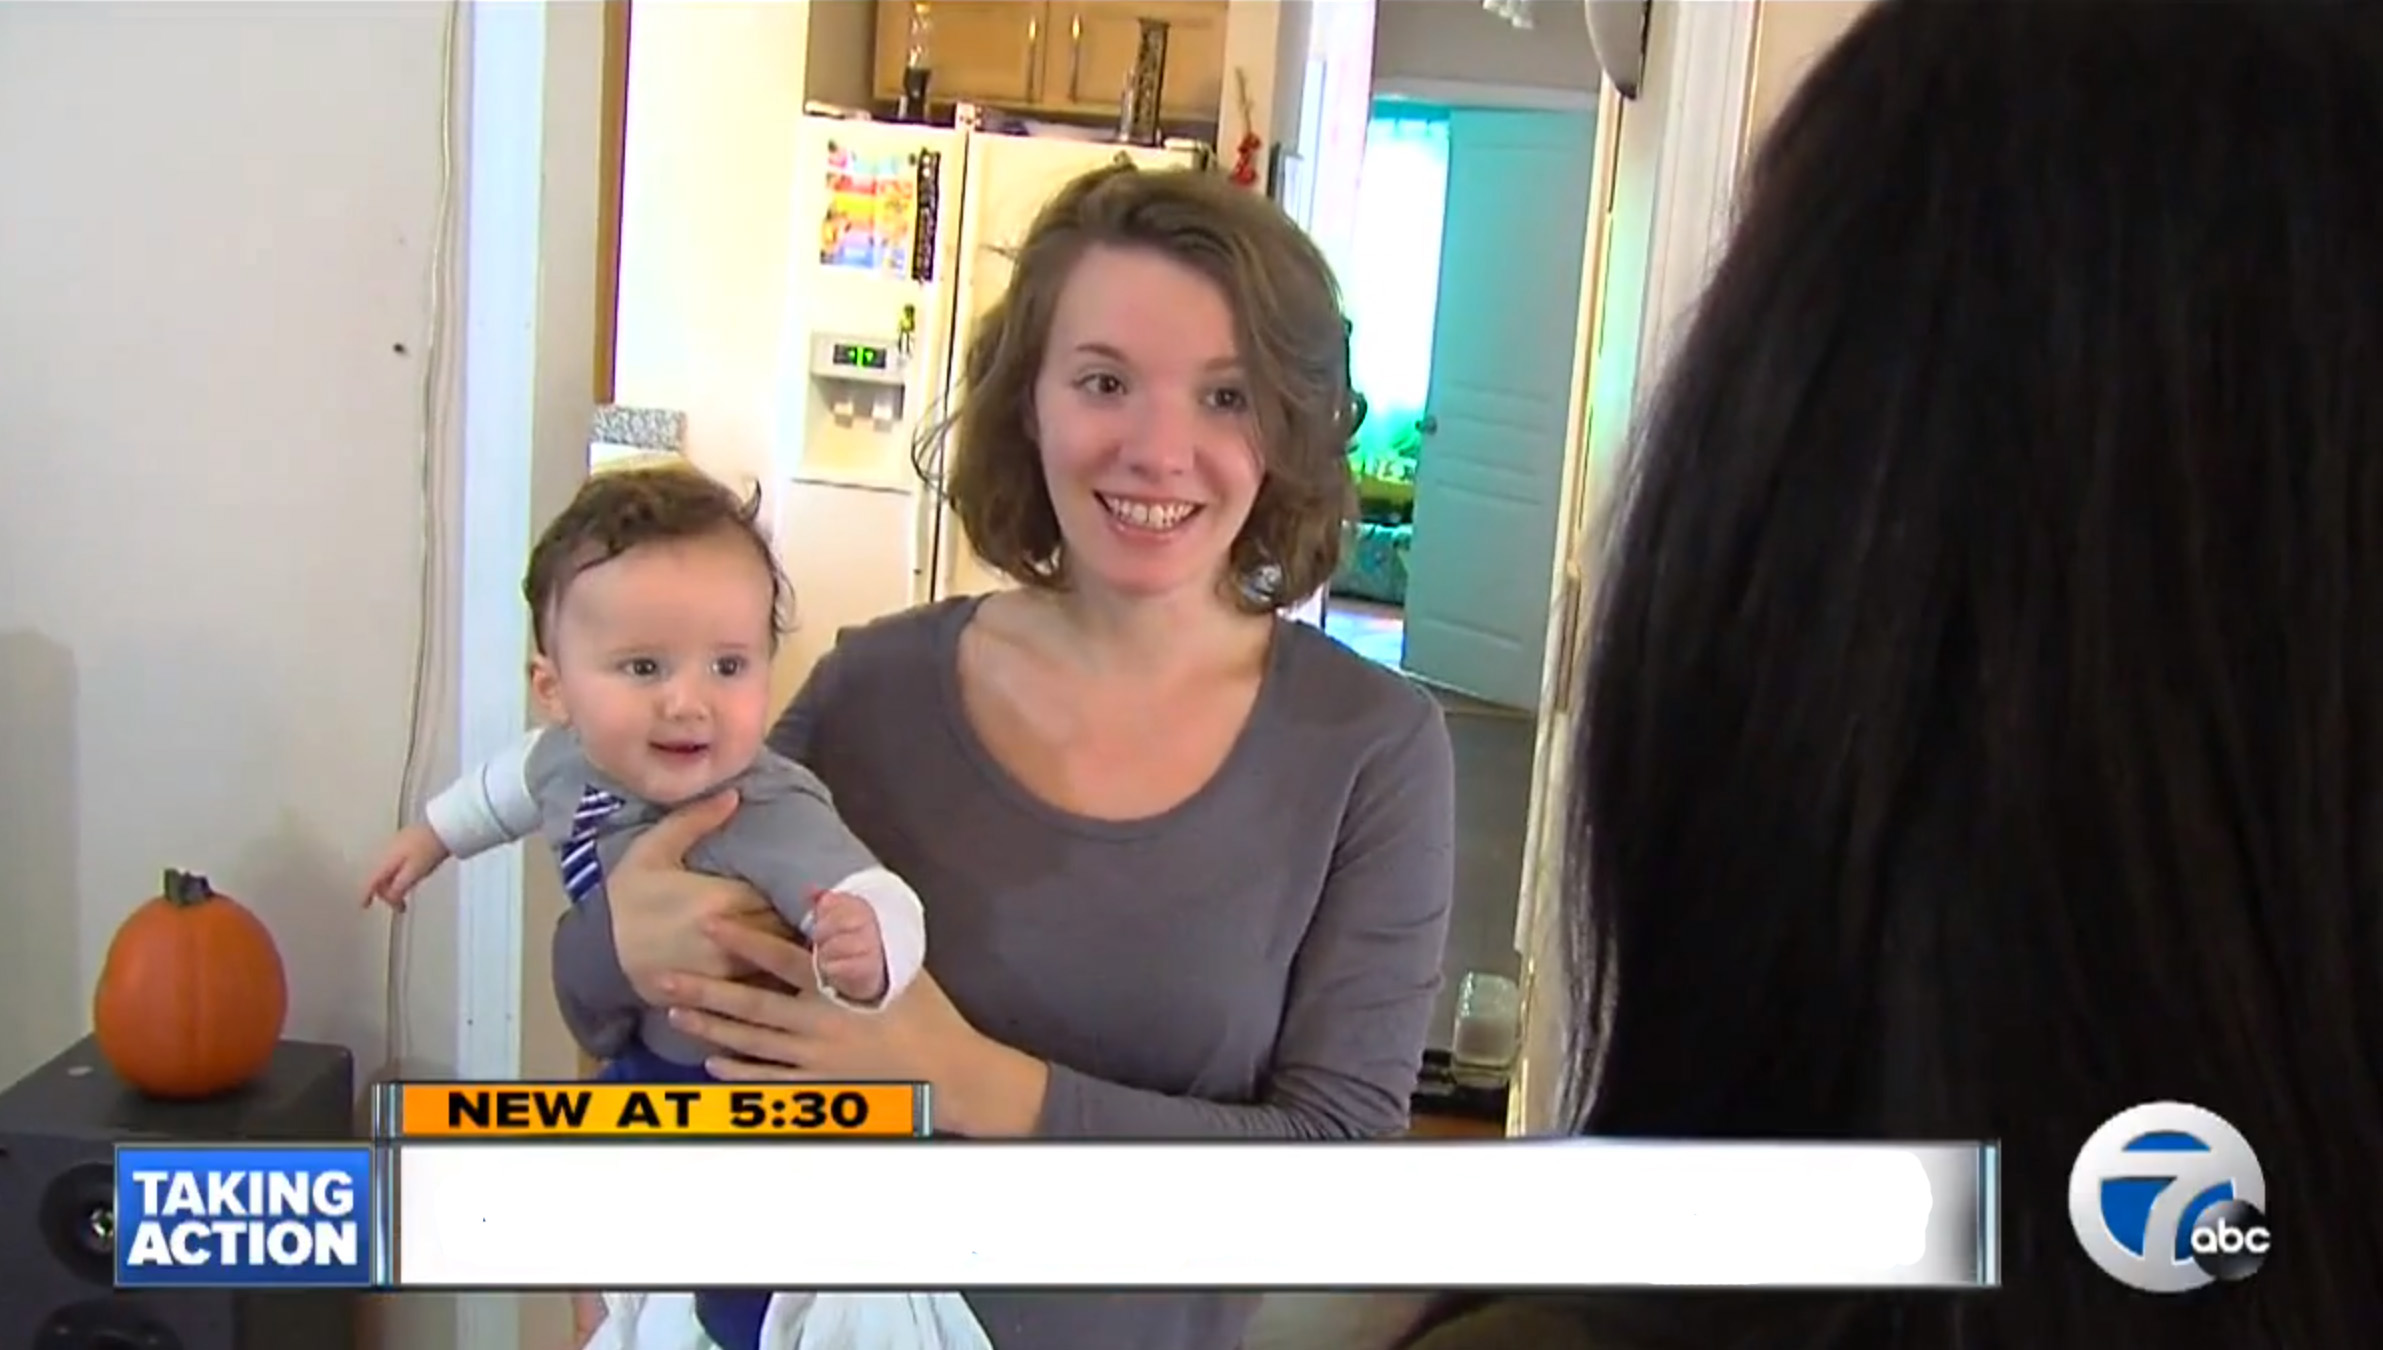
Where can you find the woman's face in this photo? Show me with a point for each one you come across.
(1143, 417)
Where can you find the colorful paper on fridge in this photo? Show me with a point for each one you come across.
(872, 211)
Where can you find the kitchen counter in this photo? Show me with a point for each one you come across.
(1445, 1109)
(1424, 1126)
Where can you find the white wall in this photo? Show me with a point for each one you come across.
(1256, 35)
(214, 322)
(1339, 55)
(707, 199)
(1432, 40)
(1788, 38)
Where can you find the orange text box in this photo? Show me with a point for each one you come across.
(659, 1111)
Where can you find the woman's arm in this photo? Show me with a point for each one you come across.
(796, 734)
(1361, 994)
(613, 951)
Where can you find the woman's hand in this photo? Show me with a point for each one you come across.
(660, 909)
(791, 1034)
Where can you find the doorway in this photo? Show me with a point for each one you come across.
(1463, 273)
(1468, 380)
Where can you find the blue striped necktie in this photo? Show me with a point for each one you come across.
(583, 871)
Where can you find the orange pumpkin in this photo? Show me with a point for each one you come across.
(192, 996)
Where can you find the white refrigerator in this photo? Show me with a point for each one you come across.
(900, 234)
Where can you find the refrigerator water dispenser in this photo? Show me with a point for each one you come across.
(861, 378)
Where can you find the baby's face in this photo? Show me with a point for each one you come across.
(659, 659)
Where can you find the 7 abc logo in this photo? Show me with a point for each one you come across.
(2166, 1197)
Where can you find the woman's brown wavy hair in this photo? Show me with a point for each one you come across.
(1294, 346)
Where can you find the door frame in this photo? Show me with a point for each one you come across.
(1474, 94)
(1668, 165)
(612, 132)
(612, 112)
(526, 129)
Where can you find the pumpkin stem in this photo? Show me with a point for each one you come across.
(186, 888)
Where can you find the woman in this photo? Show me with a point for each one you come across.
(1187, 866)
(1985, 728)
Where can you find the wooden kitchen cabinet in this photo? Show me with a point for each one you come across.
(1066, 56)
(1091, 51)
(983, 51)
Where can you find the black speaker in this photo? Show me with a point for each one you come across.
(59, 1127)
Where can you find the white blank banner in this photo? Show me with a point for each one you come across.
(954, 1215)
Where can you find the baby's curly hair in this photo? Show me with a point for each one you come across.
(623, 509)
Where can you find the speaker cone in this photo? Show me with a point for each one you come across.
(78, 1221)
(105, 1324)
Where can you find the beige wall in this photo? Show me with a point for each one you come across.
(1789, 36)
(1459, 40)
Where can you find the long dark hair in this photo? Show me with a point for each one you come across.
(1984, 728)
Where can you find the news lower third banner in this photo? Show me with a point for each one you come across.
(459, 1111)
(582, 1186)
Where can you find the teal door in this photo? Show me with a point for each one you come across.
(1489, 475)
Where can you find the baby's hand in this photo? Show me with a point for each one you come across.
(415, 853)
(849, 947)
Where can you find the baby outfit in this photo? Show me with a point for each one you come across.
(786, 841)
(798, 1322)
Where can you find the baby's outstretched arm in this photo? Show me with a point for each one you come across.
(797, 852)
(413, 855)
(485, 808)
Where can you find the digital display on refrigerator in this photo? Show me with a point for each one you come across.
(859, 356)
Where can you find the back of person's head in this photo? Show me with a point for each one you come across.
(1984, 726)
(1293, 348)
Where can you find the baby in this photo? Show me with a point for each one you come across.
(655, 606)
